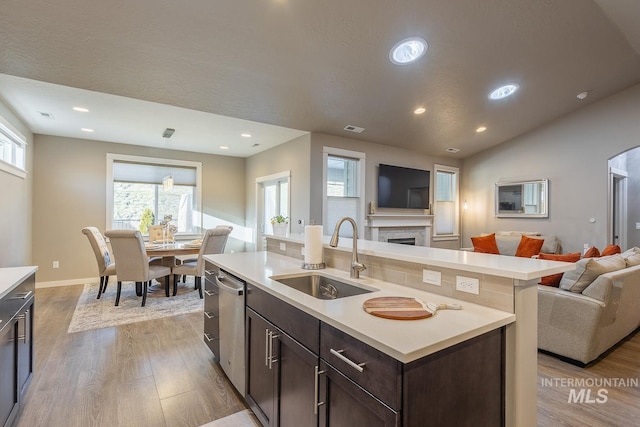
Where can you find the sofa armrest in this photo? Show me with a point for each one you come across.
(568, 323)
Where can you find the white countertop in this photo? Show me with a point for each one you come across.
(11, 277)
(405, 340)
(496, 265)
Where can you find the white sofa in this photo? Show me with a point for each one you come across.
(508, 241)
(583, 324)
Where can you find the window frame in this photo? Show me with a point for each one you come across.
(111, 157)
(18, 140)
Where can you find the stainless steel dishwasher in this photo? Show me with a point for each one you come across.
(231, 320)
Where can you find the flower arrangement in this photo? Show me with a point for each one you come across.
(279, 219)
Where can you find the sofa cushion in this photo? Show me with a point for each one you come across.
(554, 279)
(592, 252)
(610, 250)
(528, 247)
(632, 259)
(588, 269)
(485, 244)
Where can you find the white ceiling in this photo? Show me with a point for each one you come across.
(280, 68)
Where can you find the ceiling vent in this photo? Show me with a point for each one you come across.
(352, 128)
(168, 132)
(46, 115)
(453, 150)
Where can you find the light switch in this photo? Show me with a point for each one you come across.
(283, 246)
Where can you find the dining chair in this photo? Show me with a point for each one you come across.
(106, 266)
(132, 262)
(155, 233)
(213, 242)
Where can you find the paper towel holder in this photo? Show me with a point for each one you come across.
(318, 266)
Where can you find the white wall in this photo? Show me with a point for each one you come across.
(572, 153)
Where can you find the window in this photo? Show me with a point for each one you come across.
(343, 189)
(12, 150)
(276, 201)
(136, 186)
(446, 201)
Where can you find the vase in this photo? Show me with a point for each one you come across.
(280, 229)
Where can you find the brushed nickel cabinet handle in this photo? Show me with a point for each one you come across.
(357, 366)
(316, 382)
(208, 338)
(209, 315)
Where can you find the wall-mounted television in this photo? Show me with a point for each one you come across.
(400, 187)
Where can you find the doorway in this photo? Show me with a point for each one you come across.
(623, 216)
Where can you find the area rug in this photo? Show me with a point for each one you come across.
(239, 419)
(93, 313)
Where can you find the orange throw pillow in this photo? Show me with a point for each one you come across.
(611, 250)
(529, 247)
(592, 252)
(485, 244)
(554, 279)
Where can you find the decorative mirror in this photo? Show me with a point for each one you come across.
(525, 199)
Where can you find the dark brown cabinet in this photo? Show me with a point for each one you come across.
(211, 311)
(16, 348)
(281, 372)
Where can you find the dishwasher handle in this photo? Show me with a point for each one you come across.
(235, 290)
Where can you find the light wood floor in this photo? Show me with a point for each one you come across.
(160, 373)
(155, 373)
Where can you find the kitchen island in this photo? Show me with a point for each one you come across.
(17, 287)
(506, 302)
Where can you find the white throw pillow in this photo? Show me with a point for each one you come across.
(588, 269)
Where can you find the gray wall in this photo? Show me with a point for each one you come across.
(572, 153)
(70, 193)
(15, 205)
(376, 154)
(292, 156)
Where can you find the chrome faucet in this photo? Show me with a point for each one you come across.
(356, 266)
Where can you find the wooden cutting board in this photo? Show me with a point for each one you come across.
(397, 308)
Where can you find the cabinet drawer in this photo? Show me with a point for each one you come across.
(294, 322)
(18, 297)
(380, 375)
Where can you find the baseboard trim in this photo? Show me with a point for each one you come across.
(69, 282)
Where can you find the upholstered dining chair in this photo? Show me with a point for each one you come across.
(213, 242)
(155, 233)
(106, 266)
(132, 262)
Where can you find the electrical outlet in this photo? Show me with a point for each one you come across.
(637, 225)
(432, 277)
(56, 264)
(302, 251)
(468, 284)
(283, 246)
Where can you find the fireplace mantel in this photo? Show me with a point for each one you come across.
(402, 222)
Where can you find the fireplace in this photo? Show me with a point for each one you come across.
(399, 227)
(403, 241)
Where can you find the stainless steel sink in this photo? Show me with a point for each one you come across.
(320, 286)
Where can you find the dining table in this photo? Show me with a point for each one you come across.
(168, 252)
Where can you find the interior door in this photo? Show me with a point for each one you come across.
(617, 233)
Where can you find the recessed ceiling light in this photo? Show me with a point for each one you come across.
(81, 109)
(504, 91)
(245, 135)
(582, 95)
(419, 110)
(481, 129)
(224, 147)
(86, 130)
(453, 150)
(408, 50)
